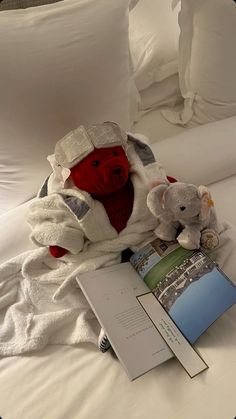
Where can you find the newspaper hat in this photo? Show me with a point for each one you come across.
(77, 144)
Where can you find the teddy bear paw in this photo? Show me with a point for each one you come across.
(209, 239)
(166, 233)
(189, 241)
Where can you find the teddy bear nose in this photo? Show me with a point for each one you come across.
(117, 171)
(182, 208)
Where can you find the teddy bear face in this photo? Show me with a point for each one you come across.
(104, 171)
(183, 202)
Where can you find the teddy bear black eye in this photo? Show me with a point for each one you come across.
(96, 163)
(115, 153)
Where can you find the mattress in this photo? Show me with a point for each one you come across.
(81, 383)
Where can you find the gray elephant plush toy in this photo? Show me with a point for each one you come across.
(185, 205)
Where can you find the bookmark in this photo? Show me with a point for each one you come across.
(179, 345)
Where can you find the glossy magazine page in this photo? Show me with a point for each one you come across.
(188, 284)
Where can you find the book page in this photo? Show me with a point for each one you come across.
(187, 283)
(112, 293)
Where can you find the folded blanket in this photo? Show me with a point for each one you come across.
(40, 302)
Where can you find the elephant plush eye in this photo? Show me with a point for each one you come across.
(182, 208)
(96, 163)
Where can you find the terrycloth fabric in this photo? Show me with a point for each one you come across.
(30, 315)
(79, 143)
(40, 301)
(72, 219)
(30, 319)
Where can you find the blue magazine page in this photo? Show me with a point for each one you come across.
(188, 284)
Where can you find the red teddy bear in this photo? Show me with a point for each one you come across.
(98, 164)
(107, 180)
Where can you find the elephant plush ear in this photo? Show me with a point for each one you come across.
(156, 199)
(206, 201)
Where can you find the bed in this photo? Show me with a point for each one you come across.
(63, 381)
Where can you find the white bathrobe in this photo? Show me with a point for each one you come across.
(72, 219)
(40, 300)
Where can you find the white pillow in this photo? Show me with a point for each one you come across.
(162, 93)
(62, 65)
(200, 155)
(154, 36)
(132, 4)
(207, 61)
(23, 4)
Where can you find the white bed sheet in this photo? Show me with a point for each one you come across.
(224, 194)
(82, 383)
(15, 231)
(156, 127)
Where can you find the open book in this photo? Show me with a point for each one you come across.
(158, 304)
